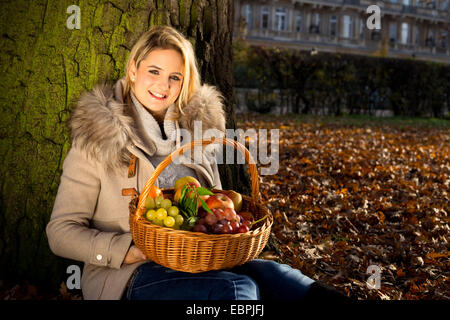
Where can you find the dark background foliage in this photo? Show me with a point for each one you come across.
(330, 83)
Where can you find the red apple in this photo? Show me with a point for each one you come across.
(219, 200)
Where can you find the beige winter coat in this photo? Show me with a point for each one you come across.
(89, 221)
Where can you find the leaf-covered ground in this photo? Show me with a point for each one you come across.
(349, 195)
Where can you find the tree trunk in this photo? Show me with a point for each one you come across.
(45, 66)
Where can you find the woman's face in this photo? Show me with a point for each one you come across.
(158, 80)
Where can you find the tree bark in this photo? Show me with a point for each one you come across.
(45, 67)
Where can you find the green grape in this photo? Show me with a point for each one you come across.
(158, 222)
(166, 204)
(150, 215)
(161, 213)
(158, 201)
(150, 203)
(173, 211)
(169, 221)
(179, 220)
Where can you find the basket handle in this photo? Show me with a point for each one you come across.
(238, 146)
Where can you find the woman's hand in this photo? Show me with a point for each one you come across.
(134, 254)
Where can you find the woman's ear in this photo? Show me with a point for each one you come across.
(132, 71)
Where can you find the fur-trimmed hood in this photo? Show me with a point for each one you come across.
(103, 125)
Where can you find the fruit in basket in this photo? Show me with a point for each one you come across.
(210, 219)
(220, 221)
(179, 220)
(230, 214)
(235, 226)
(161, 214)
(154, 192)
(150, 203)
(173, 211)
(189, 200)
(166, 204)
(219, 200)
(150, 214)
(236, 197)
(219, 213)
(158, 201)
(182, 181)
(200, 228)
(247, 215)
(177, 195)
(243, 228)
(169, 221)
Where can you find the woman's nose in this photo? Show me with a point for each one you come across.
(164, 84)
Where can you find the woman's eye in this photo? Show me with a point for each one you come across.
(154, 71)
(175, 78)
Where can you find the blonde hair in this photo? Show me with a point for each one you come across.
(165, 37)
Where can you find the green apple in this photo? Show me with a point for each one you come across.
(236, 198)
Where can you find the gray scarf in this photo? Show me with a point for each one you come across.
(163, 146)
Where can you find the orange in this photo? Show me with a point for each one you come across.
(154, 192)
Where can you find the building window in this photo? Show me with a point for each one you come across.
(406, 2)
(248, 15)
(264, 18)
(444, 39)
(405, 33)
(317, 21)
(375, 35)
(361, 29)
(280, 19)
(298, 22)
(392, 32)
(347, 30)
(429, 42)
(444, 5)
(416, 36)
(431, 4)
(314, 27)
(333, 26)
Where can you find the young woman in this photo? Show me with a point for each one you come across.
(119, 135)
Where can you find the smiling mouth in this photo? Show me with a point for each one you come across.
(157, 95)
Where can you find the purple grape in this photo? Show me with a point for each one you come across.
(227, 229)
(210, 219)
(235, 226)
(200, 228)
(201, 213)
(217, 229)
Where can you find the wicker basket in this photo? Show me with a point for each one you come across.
(193, 251)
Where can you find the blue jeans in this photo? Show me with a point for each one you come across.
(254, 280)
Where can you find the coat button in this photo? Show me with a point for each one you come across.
(99, 257)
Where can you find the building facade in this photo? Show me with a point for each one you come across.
(416, 29)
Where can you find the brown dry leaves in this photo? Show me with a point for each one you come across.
(347, 197)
